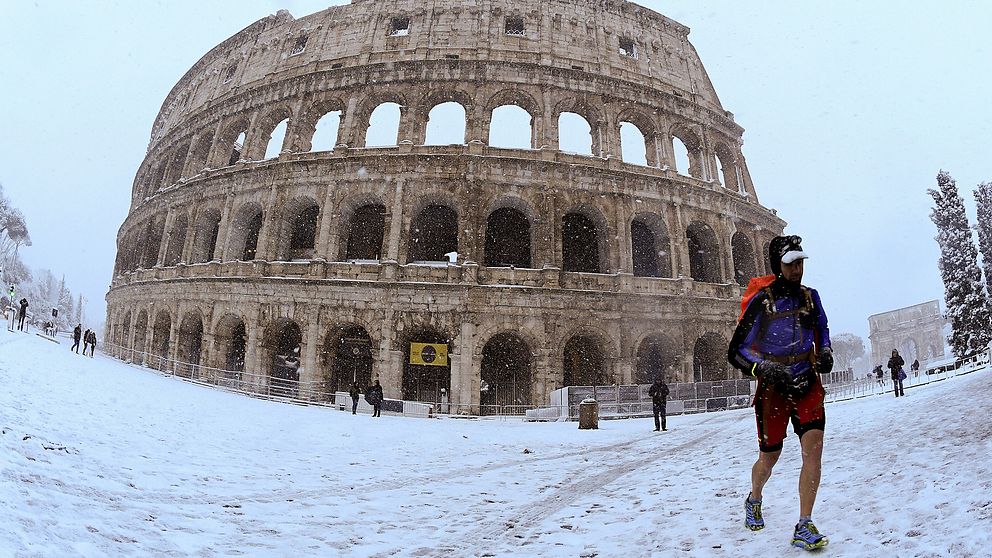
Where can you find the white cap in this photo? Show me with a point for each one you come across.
(793, 255)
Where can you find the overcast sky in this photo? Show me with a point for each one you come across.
(850, 109)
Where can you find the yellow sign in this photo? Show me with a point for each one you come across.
(429, 354)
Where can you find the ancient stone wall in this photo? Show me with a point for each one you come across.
(571, 267)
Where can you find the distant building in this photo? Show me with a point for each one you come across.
(917, 332)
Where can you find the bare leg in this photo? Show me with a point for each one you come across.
(809, 476)
(762, 471)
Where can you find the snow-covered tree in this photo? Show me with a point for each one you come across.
(983, 199)
(964, 292)
(79, 309)
(847, 348)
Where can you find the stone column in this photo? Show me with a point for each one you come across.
(395, 223)
(325, 249)
(254, 352)
(163, 246)
(464, 378)
(680, 244)
(310, 375)
(224, 229)
(347, 129)
(271, 229)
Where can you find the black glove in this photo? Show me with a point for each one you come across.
(774, 374)
(825, 361)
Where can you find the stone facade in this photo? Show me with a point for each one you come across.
(917, 332)
(322, 265)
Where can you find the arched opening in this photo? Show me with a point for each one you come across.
(190, 345)
(140, 334)
(161, 331)
(446, 125)
(704, 253)
(426, 381)
(346, 358)
(384, 126)
(366, 232)
(909, 351)
(744, 263)
(633, 146)
(325, 135)
(507, 239)
(276, 139)
(580, 244)
(574, 134)
(584, 362)
(205, 237)
(681, 156)
(177, 240)
(199, 157)
(511, 128)
(232, 343)
(124, 333)
(709, 358)
(243, 237)
(433, 233)
(506, 375)
(728, 168)
(282, 344)
(657, 357)
(299, 229)
(174, 172)
(644, 250)
(152, 243)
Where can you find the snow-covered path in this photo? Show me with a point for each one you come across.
(105, 459)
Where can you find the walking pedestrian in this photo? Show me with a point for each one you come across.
(77, 333)
(916, 367)
(22, 314)
(895, 369)
(879, 375)
(354, 393)
(659, 402)
(90, 339)
(783, 340)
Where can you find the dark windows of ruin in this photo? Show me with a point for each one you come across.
(744, 261)
(505, 373)
(302, 224)
(346, 358)
(399, 26)
(236, 147)
(161, 331)
(704, 253)
(190, 344)
(177, 239)
(232, 338)
(584, 362)
(281, 343)
(299, 46)
(709, 358)
(507, 239)
(434, 233)
(229, 73)
(243, 240)
(366, 233)
(205, 237)
(655, 356)
(579, 244)
(644, 248)
(627, 47)
(514, 25)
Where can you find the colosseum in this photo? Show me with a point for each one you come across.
(477, 201)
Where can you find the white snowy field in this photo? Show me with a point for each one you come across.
(105, 459)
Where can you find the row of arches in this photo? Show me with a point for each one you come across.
(513, 119)
(275, 353)
(291, 232)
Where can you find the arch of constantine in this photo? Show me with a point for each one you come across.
(273, 230)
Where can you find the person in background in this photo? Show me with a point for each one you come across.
(895, 369)
(879, 375)
(916, 368)
(91, 340)
(22, 314)
(782, 339)
(659, 401)
(374, 396)
(77, 334)
(354, 393)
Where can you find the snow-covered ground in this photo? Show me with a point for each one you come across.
(105, 459)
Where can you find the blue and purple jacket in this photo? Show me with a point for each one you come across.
(784, 321)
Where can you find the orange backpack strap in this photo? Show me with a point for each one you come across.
(753, 288)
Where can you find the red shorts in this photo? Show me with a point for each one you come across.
(773, 412)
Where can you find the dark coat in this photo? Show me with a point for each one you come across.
(77, 333)
(353, 391)
(91, 337)
(374, 395)
(24, 306)
(895, 366)
(659, 393)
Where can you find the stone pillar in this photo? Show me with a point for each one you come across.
(163, 246)
(325, 248)
(727, 250)
(310, 375)
(224, 229)
(477, 126)
(680, 244)
(464, 379)
(271, 229)
(395, 212)
(347, 129)
(254, 352)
